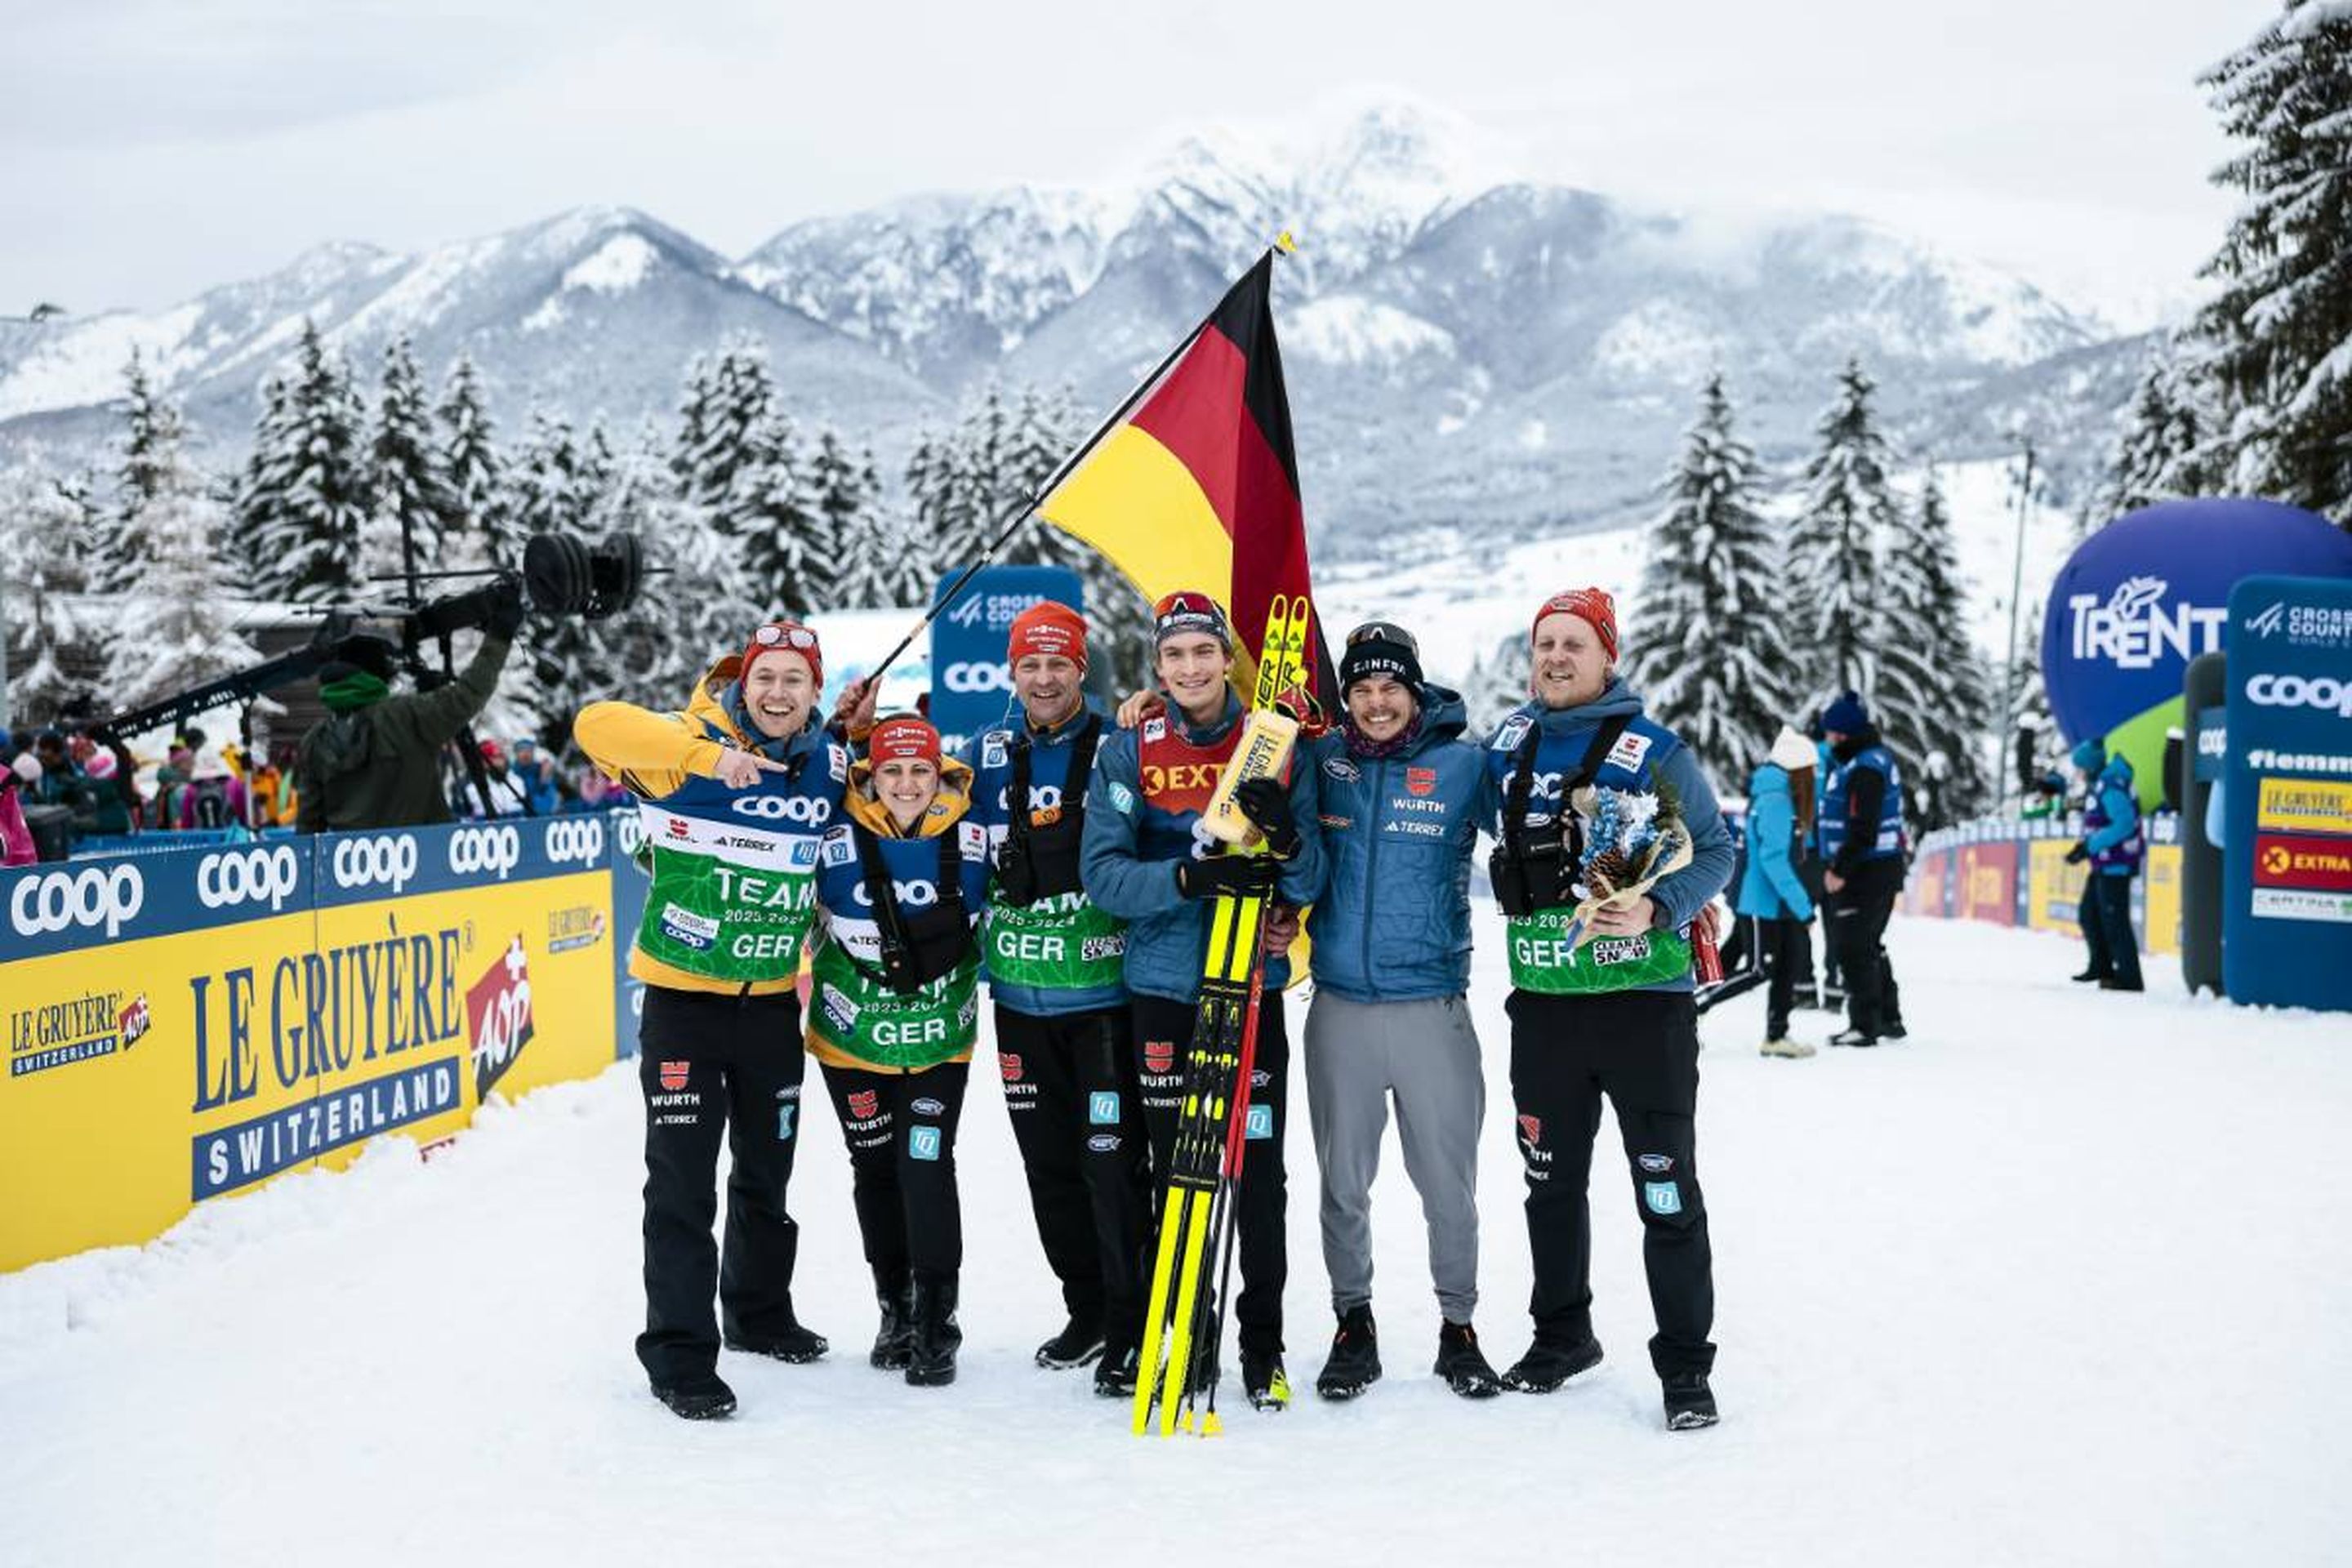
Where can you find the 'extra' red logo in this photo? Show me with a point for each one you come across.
(1009, 1064)
(672, 1076)
(1420, 781)
(1158, 1056)
(1531, 1129)
(864, 1104)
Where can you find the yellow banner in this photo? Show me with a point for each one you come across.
(2054, 897)
(2304, 805)
(2162, 871)
(148, 1076)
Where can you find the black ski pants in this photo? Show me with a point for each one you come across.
(711, 1066)
(1858, 913)
(2105, 917)
(1785, 950)
(1077, 1114)
(1163, 1036)
(1639, 1049)
(901, 1128)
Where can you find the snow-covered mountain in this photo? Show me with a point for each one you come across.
(1463, 350)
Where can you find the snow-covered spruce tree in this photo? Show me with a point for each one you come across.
(1932, 699)
(723, 411)
(411, 503)
(838, 569)
(153, 431)
(1497, 683)
(2278, 336)
(187, 629)
(1708, 652)
(770, 514)
(2161, 451)
(58, 631)
(1832, 558)
(480, 529)
(304, 498)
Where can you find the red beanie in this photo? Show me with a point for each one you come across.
(793, 638)
(1048, 627)
(903, 738)
(1593, 607)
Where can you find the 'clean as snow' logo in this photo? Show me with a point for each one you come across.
(498, 849)
(108, 895)
(373, 862)
(2135, 629)
(2324, 692)
(246, 877)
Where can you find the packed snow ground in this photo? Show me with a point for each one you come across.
(2062, 1279)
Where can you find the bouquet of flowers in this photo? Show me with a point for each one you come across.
(1632, 838)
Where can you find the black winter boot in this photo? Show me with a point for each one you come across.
(894, 1342)
(937, 1337)
(1354, 1364)
(1115, 1375)
(1550, 1363)
(1690, 1404)
(703, 1398)
(1463, 1365)
(1080, 1341)
(790, 1342)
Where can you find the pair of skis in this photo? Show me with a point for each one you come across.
(1186, 1316)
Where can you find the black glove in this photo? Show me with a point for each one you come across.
(505, 610)
(1240, 875)
(2080, 853)
(1268, 803)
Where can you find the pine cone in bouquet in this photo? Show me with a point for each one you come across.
(1632, 839)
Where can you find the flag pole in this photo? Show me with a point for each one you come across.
(1009, 521)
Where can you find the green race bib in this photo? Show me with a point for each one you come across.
(1059, 943)
(1541, 960)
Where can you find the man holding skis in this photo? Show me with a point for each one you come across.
(1145, 861)
(1056, 970)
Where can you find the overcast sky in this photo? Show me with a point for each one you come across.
(150, 149)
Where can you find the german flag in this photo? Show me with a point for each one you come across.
(1197, 484)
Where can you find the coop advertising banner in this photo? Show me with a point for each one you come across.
(971, 684)
(2286, 931)
(189, 1025)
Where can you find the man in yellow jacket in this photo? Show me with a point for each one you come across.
(736, 793)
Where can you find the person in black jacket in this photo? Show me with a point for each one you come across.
(1864, 846)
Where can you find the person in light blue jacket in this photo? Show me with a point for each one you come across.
(1402, 798)
(2112, 842)
(1772, 892)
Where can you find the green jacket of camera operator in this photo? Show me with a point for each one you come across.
(376, 761)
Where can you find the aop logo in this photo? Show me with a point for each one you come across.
(110, 896)
(246, 877)
(575, 840)
(810, 809)
(498, 849)
(367, 862)
(2324, 692)
(969, 677)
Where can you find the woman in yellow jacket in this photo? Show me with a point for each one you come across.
(736, 791)
(894, 998)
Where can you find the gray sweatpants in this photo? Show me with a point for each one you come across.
(1425, 1053)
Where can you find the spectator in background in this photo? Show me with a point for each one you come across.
(2112, 842)
(1772, 895)
(116, 807)
(536, 773)
(62, 780)
(1863, 841)
(595, 792)
(507, 789)
(21, 773)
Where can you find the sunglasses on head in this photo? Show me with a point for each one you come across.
(1186, 603)
(1384, 631)
(772, 636)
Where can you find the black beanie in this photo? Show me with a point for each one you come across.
(1380, 648)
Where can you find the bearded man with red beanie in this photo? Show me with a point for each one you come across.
(1609, 1017)
(1055, 975)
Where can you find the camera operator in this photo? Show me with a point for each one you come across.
(375, 762)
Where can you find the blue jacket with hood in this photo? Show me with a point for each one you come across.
(1770, 889)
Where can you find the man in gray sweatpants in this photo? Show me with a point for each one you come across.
(1400, 797)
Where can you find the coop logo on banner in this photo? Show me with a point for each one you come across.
(380, 861)
(477, 849)
(95, 898)
(498, 1017)
(573, 841)
(235, 876)
(972, 680)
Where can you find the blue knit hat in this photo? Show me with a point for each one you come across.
(1846, 715)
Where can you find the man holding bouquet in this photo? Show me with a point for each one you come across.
(1610, 845)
